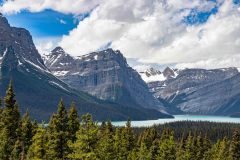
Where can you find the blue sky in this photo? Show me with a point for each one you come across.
(47, 23)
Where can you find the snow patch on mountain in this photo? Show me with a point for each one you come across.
(58, 85)
(153, 78)
(60, 73)
(153, 75)
(36, 66)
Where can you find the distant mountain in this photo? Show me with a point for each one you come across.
(39, 90)
(200, 91)
(104, 74)
(153, 75)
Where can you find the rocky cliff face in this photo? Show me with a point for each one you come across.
(221, 98)
(20, 41)
(103, 74)
(199, 91)
(39, 90)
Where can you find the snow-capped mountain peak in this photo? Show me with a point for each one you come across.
(154, 75)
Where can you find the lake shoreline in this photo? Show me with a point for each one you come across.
(186, 117)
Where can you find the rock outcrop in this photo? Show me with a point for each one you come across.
(104, 74)
(199, 91)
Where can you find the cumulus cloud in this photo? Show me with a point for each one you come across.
(152, 31)
(46, 44)
(64, 6)
(224, 62)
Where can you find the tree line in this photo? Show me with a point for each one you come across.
(67, 137)
(213, 130)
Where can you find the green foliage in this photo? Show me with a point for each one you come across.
(87, 138)
(105, 144)
(57, 147)
(148, 144)
(220, 150)
(124, 141)
(180, 149)
(154, 150)
(37, 150)
(235, 146)
(167, 148)
(142, 152)
(66, 138)
(73, 122)
(10, 119)
(26, 134)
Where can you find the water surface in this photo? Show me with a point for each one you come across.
(180, 118)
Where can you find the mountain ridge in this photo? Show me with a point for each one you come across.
(192, 90)
(104, 74)
(39, 91)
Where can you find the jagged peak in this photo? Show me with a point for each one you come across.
(167, 69)
(169, 72)
(58, 50)
(152, 71)
(101, 54)
(3, 21)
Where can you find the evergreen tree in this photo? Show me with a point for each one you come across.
(207, 146)
(35, 127)
(142, 155)
(128, 139)
(189, 153)
(105, 148)
(87, 139)
(124, 141)
(148, 136)
(199, 148)
(16, 153)
(10, 119)
(102, 128)
(180, 153)
(147, 144)
(26, 134)
(133, 155)
(118, 145)
(154, 150)
(167, 148)
(58, 134)
(224, 150)
(215, 151)
(73, 122)
(37, 150)
(235, 146)
(1, 110)
(220, 150)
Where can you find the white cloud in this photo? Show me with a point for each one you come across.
(223, 62)
(64, 6)
(141, 68)
(46, 44)
(62, 21)
(150, 31)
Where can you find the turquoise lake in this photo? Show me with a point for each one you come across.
(147, 123)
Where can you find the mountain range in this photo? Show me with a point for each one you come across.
(39, 90)
(105, 75)
(196, 91)
(103, 84)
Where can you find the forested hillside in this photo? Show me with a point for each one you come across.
(67, 137)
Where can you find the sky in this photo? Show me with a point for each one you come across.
(159, 33)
